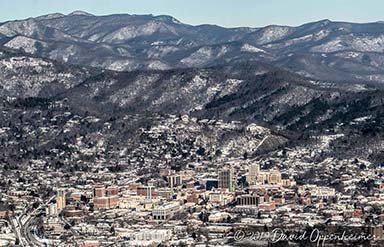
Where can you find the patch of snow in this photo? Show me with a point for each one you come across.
(250, 48)
(27, 44)
(326, 140)
(50, 16)
(362, 119)
(204, 54)
(158, 51)
(273, 33)
(349, 54)
(80, 12)
(130, 32)
(230, 86)
(350, 42)
(27, 27)
(158, 65)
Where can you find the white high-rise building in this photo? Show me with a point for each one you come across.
(51, 210)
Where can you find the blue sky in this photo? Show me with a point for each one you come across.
(229, 13)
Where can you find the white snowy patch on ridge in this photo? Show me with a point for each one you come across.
(250, 48)
(130, 32)
(273, 33)
(351, 42)
(204, 54)
(20, 42)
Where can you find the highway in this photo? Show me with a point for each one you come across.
(25, 228)
(16, 228)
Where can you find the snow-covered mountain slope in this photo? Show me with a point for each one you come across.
(252, 92)
(25, 76)
(343, 51)
(246, 91)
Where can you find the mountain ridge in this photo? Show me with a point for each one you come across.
(124, 42)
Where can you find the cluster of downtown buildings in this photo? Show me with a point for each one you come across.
(190, 207)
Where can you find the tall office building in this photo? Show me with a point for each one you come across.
(105, 198)
(60, 199)
(227, 179)
(254, 169)
(253, 172)
(148, 191)
(174, 180)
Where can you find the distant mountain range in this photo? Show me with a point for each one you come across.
(323, 50)
(139, 72)
(318, 76)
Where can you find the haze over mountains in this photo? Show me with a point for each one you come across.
(323, 50)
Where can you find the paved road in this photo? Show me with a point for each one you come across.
(28, 228)
(16, 228)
